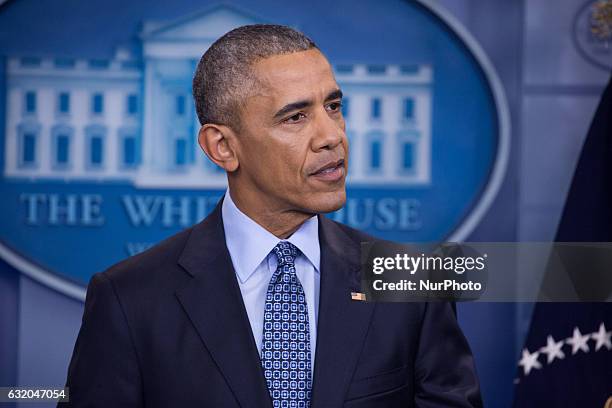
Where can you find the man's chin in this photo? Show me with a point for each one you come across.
(328, 202)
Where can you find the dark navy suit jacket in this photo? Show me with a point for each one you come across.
(168, 328)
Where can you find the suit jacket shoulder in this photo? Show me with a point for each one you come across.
(160, 269)
(150, 267)
(355, 235)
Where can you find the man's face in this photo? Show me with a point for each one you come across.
(292, 147)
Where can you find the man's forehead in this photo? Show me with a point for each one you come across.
(299, 72)
(291, 62)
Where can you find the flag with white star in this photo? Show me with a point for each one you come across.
(567, 357)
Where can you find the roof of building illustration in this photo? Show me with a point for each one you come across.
(206, 24)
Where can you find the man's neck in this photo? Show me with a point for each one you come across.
(280, 223)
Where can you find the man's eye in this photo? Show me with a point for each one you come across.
(334, 106)
(295, 118)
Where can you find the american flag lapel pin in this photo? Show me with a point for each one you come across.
(358, 296)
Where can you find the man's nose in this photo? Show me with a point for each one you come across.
(328, 133)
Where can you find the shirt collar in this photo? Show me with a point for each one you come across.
(249, 243)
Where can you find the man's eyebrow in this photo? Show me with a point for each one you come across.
(292, 107)
(335, 94)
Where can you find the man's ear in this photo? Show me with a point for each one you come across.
(217, 143)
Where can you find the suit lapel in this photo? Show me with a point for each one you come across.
(342, 323)
(214, 304)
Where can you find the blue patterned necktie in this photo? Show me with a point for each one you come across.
(285, 349)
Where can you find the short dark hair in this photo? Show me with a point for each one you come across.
(223, 76)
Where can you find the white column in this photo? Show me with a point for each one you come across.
(45, 105)
(11, 144)
(424, 119)
(359, 122)
(391, 117)
(147, 120)
(113, 118)
(79, 112)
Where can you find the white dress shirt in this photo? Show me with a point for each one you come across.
(250, 247)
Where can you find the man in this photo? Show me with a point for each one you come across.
(252, 307)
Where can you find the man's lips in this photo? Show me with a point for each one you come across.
(331, 171)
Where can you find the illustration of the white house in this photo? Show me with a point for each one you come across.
(132, 118)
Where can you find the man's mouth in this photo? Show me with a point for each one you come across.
(332, 171)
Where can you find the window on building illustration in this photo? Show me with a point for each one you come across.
(62, 149)
(96, 150)
(64, 63)
(375, 108)
(99, 63)
(408, 155)
(345, 106)
(180, 105)
(132, 104)
(30, 62)
(129, 151)
(375, 154)
(28, 154)
(64, 102)
(30, 102)
(409, 69)
(408, 109)
(97, 103)
(180, 152)
(344, 69)
(408, 150)
(130, 64)
(377, 69)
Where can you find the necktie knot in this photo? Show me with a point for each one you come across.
(286, 253)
